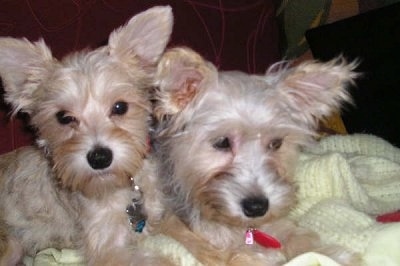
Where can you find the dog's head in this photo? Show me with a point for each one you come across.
(91, 109)
(228, 141)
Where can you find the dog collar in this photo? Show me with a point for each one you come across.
(136, 218)
(263, 239)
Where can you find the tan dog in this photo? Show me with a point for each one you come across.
(91, 112)
(227, 146)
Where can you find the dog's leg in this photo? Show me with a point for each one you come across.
(298, 240)
(208, 254)
(254, 257)
(203, 251)
(117, 251)
(128, 256)
(10, 251)
(108, 238)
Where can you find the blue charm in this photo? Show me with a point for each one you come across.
(139, 226)
(136, 218)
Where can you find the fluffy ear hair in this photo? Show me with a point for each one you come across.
(180, 75)
(314, 90)
(23, 67)
(144, 37)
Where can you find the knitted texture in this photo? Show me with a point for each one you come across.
(344, 182)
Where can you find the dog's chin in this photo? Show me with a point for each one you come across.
(227, 218)
(255, 222)
(244, 222)
(95, 184)
(96, 188)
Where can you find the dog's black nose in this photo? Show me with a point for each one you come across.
(99, 157)
(255, 206)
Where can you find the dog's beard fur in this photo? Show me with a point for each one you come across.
(91, 111)
(228, 143)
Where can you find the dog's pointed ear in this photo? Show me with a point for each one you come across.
(23, 68)
(143, 38)
(181, 75)
(314, 90)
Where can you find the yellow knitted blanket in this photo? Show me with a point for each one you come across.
(344, 182)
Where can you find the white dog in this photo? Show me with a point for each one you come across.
(227, 145)
(91, 112)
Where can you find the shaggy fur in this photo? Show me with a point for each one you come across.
(227, 144)
(91, 112)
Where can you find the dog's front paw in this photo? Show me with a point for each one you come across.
(10, 250)
(254, 258)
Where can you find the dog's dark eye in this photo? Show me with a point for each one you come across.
(275, 144)
(222, 143)
(64, 119)
(119, 108)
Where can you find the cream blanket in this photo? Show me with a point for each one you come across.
(344, 182)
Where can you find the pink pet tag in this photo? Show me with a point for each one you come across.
(249, 240)
(261, 238)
